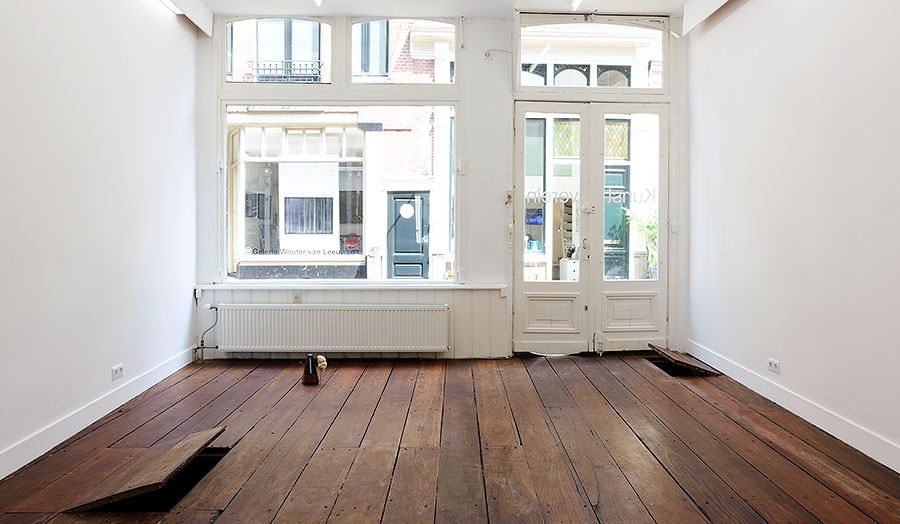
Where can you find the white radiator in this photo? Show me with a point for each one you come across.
(333, 327)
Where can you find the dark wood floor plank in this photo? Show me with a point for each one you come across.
(220, 485)
(411, 499)
(714, 497)
(312, 498)
(559, 495)
(684, 360)
(853, 459)
(496, 426)
(212, 415)
(108, 518)
(242, 420)
(194, 516)
(460, 488)
(151, 392)
(351, 424)
(65, 491)
(153, 430)
(386, 426)
(260, 498)
(509, 487)
(662, 496)
(25, 518)
(149, 471)
(770, 501)
(870, 499)
(29, 480)
(551, 391)
(423, 422)
(363, 496)
(610, 493)
(807, 491)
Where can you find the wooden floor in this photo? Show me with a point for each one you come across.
(583, 439)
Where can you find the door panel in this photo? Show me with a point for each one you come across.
(408, 235)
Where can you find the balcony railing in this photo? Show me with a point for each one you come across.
(287, 71)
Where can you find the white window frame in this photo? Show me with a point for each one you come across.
(340, 92)
(589, 94)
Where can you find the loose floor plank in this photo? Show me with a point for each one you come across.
(496, 426)
(65, 491)
(242, 420)
(460, 487)
(612, 497)
(411, 499)
(312, 498)
(28, 481)
(853, 459)
(683, 360)
(149, 471)
(871, 500)
(509, 487)
(216, 490)
(714, 497)
(561, 500)
(266, 490)
(423, 422)
(664, 499)
(807, 491)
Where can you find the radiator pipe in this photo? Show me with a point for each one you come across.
(203, 345)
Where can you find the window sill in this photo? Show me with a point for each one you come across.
(345, 284)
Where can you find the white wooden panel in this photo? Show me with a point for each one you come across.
(626, 311)
(551, 312)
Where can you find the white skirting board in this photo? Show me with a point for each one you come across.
(42, 440)
(480, 318)
(869, 442)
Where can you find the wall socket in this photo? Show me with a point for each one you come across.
(296, 297)
(118, 371)
(775, 366)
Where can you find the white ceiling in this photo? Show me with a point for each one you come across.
(438, 8)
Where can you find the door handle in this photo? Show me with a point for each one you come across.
(584, 243)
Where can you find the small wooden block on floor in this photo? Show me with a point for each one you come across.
(152, 476)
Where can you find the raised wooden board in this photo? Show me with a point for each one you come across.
(686, 361)
(144, 475)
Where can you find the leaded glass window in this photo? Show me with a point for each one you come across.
(566, 137)
(618, 139)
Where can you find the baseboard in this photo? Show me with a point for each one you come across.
(42, 440)
(861, 438)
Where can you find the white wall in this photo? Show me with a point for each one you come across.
(98, 149)
(794, 215)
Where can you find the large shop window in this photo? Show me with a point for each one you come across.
(340, 192)
(278, 50)
(400, 51)
(591, 52)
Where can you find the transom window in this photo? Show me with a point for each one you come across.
(403, 51)
(589, 51)
(278, 50)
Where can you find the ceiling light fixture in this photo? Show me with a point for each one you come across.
(318, 3)
(576, 4)
(171, 5)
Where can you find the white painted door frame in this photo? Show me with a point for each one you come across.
(594, 314)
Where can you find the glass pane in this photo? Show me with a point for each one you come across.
(631, 197)
(403, 51)
(273, 141)
(278, 50)
(551, 223)
(322, 208)
(618, 53)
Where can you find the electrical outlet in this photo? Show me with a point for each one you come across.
(118, 371)
(297, 298)
(775, 366)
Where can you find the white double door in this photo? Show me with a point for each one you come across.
(590, 226)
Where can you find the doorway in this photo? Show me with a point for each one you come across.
(590, 263)
(407, 237)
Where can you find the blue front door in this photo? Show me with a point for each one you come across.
(407, 236)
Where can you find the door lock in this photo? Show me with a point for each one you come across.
(584, 243)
